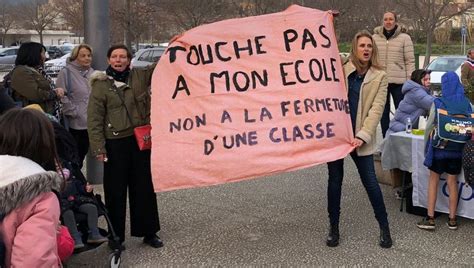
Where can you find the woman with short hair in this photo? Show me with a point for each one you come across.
(119, 102)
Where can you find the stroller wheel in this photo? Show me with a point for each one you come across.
(114, 259)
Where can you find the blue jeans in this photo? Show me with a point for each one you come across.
(396, 91)
(365, 167)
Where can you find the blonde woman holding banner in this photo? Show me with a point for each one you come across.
(366, 85)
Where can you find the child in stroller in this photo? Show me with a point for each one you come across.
(68, 156)
(77, 197)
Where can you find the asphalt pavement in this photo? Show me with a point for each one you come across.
(282, 221)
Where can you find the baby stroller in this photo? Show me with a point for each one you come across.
(69, 157)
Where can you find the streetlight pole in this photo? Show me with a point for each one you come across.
(96, 34)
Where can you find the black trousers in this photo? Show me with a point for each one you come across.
(129, 168)
(82, 140)
(396, 91)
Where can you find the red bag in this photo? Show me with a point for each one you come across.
(143, 136)
(65, 243)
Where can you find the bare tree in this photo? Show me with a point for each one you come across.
(132, 19)
(7, 20)
(128, 23)
(38, 16)
(431, 14)
(353, 15)
(187, 14)
(72, 13)
(246, 8)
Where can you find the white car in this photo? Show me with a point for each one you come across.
(67, 47)
(8, 55)
(52, 67)
(147, 56)
(441, 65)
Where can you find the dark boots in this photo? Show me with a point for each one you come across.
(333, 236)
(385, 238)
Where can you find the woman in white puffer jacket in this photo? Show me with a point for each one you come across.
(396, 54)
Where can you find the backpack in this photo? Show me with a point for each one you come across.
(468, 162)
(453, 127)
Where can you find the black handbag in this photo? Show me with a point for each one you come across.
(468, 162)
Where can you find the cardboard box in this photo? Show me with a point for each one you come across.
(389, 177)
(396, 176)
(383, 176)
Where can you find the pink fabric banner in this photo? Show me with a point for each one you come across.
(249, 97)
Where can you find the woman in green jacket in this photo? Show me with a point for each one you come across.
(30, 83)
(119, 102)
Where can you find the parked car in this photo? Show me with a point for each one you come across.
(147, 56)
(67, 48)
(54, 52)
(441, 65)
(52, 67)
(8, 55)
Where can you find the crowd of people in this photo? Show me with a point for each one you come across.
(378, 66)
(95, 112)
(43, 146)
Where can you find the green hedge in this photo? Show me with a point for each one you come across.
(421, 49)
(437, 49)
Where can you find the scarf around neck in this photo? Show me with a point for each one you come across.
(389, 34)
(119, 76)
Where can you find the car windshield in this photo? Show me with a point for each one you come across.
(5, 49)
(67, 49)
(445, 64)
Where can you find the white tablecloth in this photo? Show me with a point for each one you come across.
(397, 151)
(405, 152)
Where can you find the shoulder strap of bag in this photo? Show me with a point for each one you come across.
(123, 103)
(130, 81)
(68, 81)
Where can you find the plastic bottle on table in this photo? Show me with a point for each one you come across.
(408, 126)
